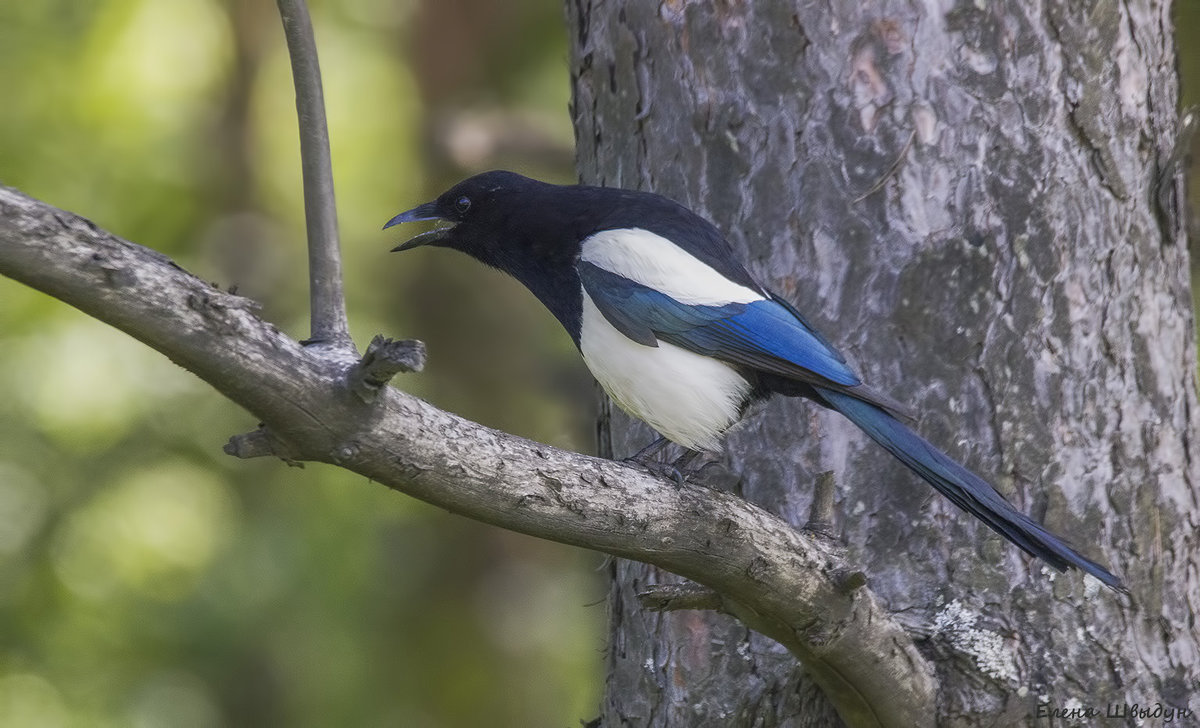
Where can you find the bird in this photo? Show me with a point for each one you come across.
(680, 335)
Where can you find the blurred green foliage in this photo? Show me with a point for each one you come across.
(1187, 29)
(146, 579)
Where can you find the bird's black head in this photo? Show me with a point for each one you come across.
(482, 212)
(526, 228)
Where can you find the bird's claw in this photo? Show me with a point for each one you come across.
(662, 470)
(677, 471)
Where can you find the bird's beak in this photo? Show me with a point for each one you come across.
(428, 211)
(433, 237)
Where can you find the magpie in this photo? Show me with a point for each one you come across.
(677, 331)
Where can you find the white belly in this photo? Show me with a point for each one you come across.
(691, 399)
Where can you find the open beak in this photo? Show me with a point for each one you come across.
(428, 211)
(433, 237)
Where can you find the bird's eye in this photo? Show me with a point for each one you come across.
(463, 204)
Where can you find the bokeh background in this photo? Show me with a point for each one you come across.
(146, 579)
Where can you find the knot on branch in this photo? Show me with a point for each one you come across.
(260, 443)
(384, 359)
(848, 581)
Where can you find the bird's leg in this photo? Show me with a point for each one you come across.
(643, 457)
(679, 470)
(683, 463)
(684, 467)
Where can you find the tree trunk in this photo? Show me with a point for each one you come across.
(975, 205)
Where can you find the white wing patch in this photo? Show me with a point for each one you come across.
(656, 262)
(689, 398)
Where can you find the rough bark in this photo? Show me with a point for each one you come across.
(971, 201)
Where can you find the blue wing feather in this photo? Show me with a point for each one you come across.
(762, 334)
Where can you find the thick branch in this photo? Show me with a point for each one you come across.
(777, 580)
(328, 304)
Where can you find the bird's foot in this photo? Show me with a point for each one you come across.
(665, 470)
(678, 470)
(645, 456)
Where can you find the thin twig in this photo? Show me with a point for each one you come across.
(328, 305)
(890, 171)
